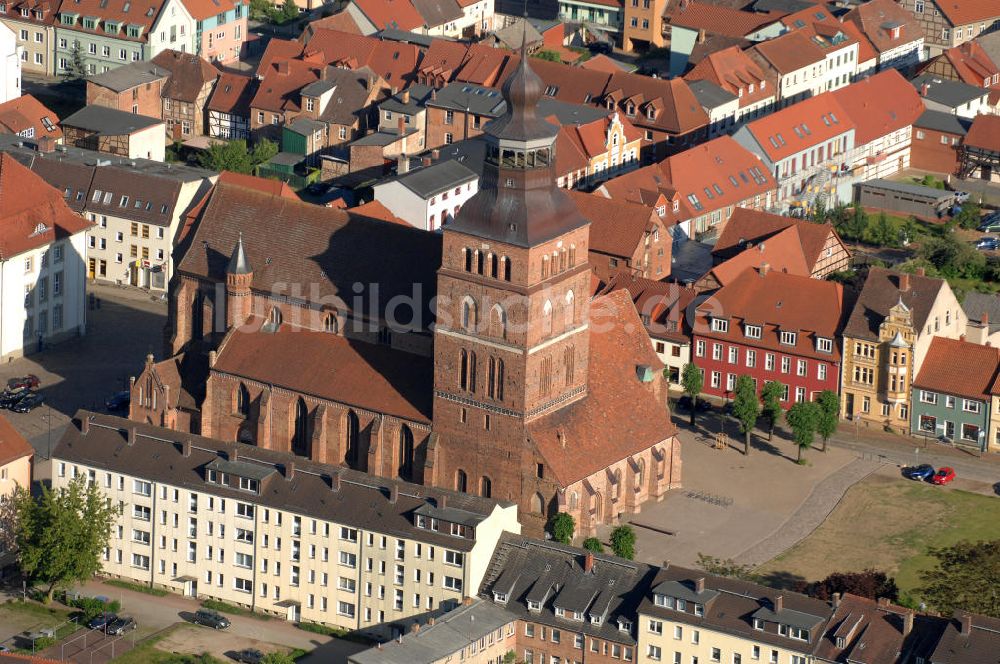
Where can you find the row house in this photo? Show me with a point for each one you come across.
(42, 279)
(16, 457)
(895, 35)
(394, 61)
(404, 113)
(278, 97)
(935, 140)
(771, 326)
(342, 103)
(186, 92)
(27, 117)
(428, 197)
(804, 146)
(133, 88)
(968, 63)
(979, 154)
(590, 152)
(10, 65)
(456, 19)
(883, 108)
(626, 237)
(137, 209)
(218, 28)
(276, 534)
(229, 107)
(947, 24)
(662, 307)
(33, 25)
(104, 35)
(886, 339)
(953, 394)
(722, 106)
(953, 96)
(643, 27)
(843, 53)
(734, 71)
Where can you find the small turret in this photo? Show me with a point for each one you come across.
(239, 279)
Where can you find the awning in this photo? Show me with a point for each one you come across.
(186, 579)
(285, 603)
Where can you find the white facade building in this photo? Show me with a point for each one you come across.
(10, 65)
(174, 29)
(429, 197)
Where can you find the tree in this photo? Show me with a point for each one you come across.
(236, 157)
(692, 381)
(562, 527)
(77, 68)
(289, 10)
(882, 231)
(726, 567)
(803, 418)
(593, 544)
(551, 56)
(969, 216)
(623, 542)
(829, 415)
(509, 657)
(771, 395)
(277, 658)
(746, 408)
(91, 607)
(61, 536)
(854, 225)
(870, 583)
(966, 577)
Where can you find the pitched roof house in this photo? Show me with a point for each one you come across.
(29, 118)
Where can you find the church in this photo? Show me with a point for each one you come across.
(475, 359)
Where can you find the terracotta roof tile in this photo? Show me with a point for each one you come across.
(201, 10)
(26, 112)
(278, 49)
(959, 367)
(680, 113)
(332, 367)
(27, 202)
(393, 61)
(960, 12)
(780, 134)
(375, 210)
(125, 12)
(778, 302)
(12, 444)
(280, 84)
(603, 63)
(342, 21)
(265, 185)
(789, 52)
(719, 19)
(753, 227)
(399, 14)
(735, 71)
(782, 252)
(597, 436)
(879, 105)
(664, 303)
(872, 632)
(881, 292)
(575, 85)
(985, 133)
(616, 227)
(972, 64)
(232, 94)
(873, 19)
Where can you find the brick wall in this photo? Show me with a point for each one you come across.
(928, 153)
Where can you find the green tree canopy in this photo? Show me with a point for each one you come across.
(871, 583)
(236, 157)
(746, 408)
(966, 576)
(882, 231)
(803, 417)
(551, 56)
(829, 415)
(289, 10)
(770, 396)
(692, 381)
(953, 259)
(853, 226)
(593, 544)
(277, 658)
(969, 216)
(61, 536)
(623, 542)
(562, 528)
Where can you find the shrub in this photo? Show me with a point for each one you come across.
(137, 587)
(223, 607)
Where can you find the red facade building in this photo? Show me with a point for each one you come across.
(771, 326)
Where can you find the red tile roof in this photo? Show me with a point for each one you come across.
(870, 631)
(332, 367)
(677, 109)
(960, 12)
(574, 85)
(138, 12)
(972, 64)
(719, 19)
(873, 19)
(393, 61)
(791, 51)
(879, 105)
(201, 10)
(617, 228)
(28, 204)
(782, 252)
(985, 133)
(375, 210)
(646, 185)
(777, 302)
(733, 70)
(13, 445)
(342, 21)
(26, 112)
(232, 94)
(280, 84)
(278, 49)
(588, 435)
(959, 367)
(189, 74)
(400, 14)
(780, 134)
(663, 303)
(748, 227)
(264, 185)
(602, 63)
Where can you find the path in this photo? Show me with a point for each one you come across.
(811, 513)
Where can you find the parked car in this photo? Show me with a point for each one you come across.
(988, 244)
(249, 656)
(991, 224)
(600, 47)
(29, 382)
(121, 625)
(944, 475)
(210, 618)
(10, 397)
(684, 403)
(102, 621)
(118, 401)
(28, 403)
(923, 472)
(961, 196)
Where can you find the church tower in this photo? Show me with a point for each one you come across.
(511, 342)
(239, 278)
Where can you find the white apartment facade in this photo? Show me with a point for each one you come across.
(279, 535)
(10, 65)
(429, 197)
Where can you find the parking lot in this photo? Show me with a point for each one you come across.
(122, 327)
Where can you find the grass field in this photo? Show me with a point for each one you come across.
(889, 524)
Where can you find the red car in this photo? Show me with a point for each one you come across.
(943, 475)
(29, 382)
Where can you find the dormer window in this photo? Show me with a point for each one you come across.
(758, 624)
(660, 600)
(499, 598)
(651, 113)
(215, 477)
(630, 109)
(560, 613)
(841, 642)
(720, 325)
(248, 484)
(824, 345)
(699, 609)
(677, 206)
(578, 616)
(661, 210)
(624, 625)
(596, 620)
(751, 331)
(682, 605)
(788, 338)
(534, 606)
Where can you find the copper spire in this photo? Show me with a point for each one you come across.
(522, 92)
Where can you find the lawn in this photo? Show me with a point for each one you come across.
(888, 524)
(147, 652)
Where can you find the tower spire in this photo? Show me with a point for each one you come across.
(238, 263)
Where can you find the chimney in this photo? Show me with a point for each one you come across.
(212, 356)
(699, 585)
(394, 494)
(435, 154)
(985, 320)
(467, 601)
(406, 96)
(85, 425)
(402, 164)
(395, 90)
(961, 337)
(46, 145)
(416, 628)
(701, 36)
(400, 126)
(335, 481)
(588, 562)
(234, 454)
(764, 269)
(289, 470)
(907, 623)
(965, 620)
(904, 282)
(921, 272)
(836, 600)
(442, 501)
(434, 93)
(779, 603)
(131, 436)
(186, 448)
